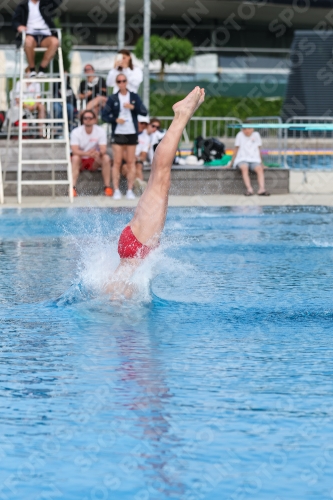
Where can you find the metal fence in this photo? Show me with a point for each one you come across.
(206, 126)
(308, 149)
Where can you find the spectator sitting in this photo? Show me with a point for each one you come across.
(71, 102)
(122, 110)
(156, 136)
(123, 65)
(35, 17)
(88, 143)
(247, 156)
(93, 90)
(31, 92)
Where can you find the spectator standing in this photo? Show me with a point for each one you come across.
(93, 90)
(124, 65)
(88, 143)
(122, 110)
(71, 102)
(35, 17)
(141, 152)
(247, 157)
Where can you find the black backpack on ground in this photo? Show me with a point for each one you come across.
(208, 149)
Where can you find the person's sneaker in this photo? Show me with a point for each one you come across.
(117, 194)
(130, 195)
(75, 192)
(139, 186)
(41, 74)
(108, 191)
(32, 74)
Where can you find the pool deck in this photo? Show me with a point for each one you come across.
(174, 201)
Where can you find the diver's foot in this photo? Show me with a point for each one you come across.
(190, 104)
(202, 98)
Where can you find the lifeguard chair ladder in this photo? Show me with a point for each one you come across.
(53, 124)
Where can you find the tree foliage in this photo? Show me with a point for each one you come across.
(167, 50)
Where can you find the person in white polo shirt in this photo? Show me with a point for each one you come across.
(88, 143)
(247, 157)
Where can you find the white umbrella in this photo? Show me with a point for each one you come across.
(3, 95)
(76, 69)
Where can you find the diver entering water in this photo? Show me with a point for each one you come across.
(142, 234)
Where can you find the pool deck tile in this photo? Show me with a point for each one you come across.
(174, 201)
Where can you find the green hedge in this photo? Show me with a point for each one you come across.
(239, 107)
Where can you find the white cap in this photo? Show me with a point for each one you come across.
(143, 119)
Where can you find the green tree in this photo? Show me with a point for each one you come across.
(66, 45)
(166, 50)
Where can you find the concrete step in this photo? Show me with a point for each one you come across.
(184, 181)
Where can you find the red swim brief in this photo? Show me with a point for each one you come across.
(129, 247)
(87, 163)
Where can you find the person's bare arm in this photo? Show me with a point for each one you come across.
(102, 150)
(21, 28)
(85, 95)
(230, 164)
(78, 152)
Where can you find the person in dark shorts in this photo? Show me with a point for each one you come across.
(35, 17)
(122, 110)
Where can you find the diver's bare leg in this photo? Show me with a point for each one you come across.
(149, 218)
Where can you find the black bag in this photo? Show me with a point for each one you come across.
(208, 149)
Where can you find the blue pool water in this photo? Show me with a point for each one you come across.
(215, 383)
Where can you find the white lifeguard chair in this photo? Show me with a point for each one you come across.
(51, 125)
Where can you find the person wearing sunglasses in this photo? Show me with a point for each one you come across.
(123, 64)
(93, 89)
(88, 144)
(122, 110)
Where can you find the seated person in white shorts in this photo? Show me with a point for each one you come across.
(247, 156)
(88, 143)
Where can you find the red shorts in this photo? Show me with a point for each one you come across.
(129, 247)
(87, 163)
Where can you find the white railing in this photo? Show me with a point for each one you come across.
(206, 126)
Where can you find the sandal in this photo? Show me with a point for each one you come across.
(248, 193)
(265, 193)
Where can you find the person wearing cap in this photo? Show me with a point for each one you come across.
(93, 90)
(123, 64)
